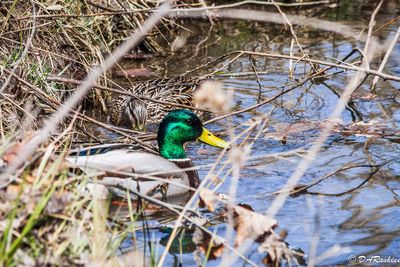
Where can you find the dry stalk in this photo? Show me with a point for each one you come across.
(386, 58)
(28, 44)
(54, 104)
(51, 124)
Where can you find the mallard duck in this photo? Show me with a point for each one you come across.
(134, 112)
(176, 128)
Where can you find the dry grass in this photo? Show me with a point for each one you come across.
(46, 216)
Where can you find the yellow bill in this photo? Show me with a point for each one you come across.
(210, 139)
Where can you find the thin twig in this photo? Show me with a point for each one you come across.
(387, 23)
(303, 189)
(372, 174)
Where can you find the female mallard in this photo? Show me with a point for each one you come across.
(134, 113)
(176, 128)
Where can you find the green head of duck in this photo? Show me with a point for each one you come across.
(181, 126)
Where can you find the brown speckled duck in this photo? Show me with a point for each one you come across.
(135, 113)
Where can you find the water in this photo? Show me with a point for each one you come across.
(365, 220)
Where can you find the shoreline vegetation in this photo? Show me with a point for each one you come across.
(58, 59)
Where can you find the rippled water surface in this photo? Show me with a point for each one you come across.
(367, 219)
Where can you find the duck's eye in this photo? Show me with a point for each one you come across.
(189, 121)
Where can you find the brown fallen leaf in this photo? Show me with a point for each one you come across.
(282, 131)
(12, 152)
(205, 243)
(208, 199)
(278, 251)
(134, 72)
(211, 96)
(248, 225)
(251, 225)
(13, 191)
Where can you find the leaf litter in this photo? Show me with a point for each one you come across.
(249, 225)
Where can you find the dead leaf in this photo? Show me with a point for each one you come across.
(248, 225)
(12, 152)
(13, 191)
(134, 72)
(211, 96)
(277, 250)
(251, 225)
(179, 42)
(206, 243)
(29, 178)
(207, 199)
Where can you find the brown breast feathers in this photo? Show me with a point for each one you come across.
(193, 176)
